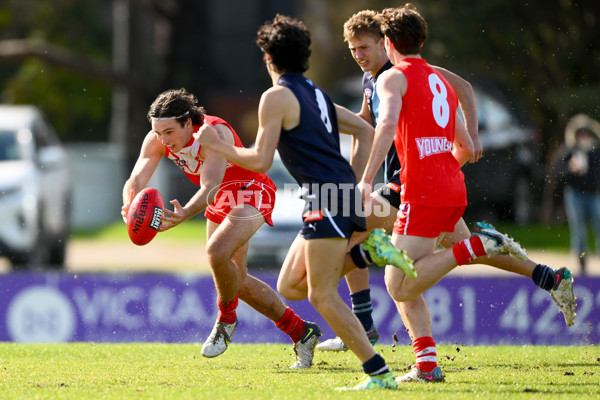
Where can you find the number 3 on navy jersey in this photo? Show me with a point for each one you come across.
(324, 110)
(439, 105)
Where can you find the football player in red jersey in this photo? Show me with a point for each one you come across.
(418, 113)
(366, 43)
(236, 203)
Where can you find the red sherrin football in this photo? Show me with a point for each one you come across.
(143, 218)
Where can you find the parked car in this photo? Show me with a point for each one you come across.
(35, 190)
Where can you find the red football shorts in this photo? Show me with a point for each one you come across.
(257, 194)
(418, 220)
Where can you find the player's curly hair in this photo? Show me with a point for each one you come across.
(363, 23)
(405, 27)
(287, 41)
(176, 102)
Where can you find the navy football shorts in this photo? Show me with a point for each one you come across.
(322, 224)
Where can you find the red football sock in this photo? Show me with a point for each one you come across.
(227, 312)
(292, 325)
(467, 250)
(426, 353)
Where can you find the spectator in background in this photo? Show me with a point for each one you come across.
(577, 168)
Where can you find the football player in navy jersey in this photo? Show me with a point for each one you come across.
(299, 120)
(236, 203)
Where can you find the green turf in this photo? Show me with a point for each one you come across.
(193, 229)
(260, 371)
(555, 237)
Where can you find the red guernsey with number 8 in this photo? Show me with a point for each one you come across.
(144, 216)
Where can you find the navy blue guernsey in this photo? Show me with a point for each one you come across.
(391, 164)
(311, 150)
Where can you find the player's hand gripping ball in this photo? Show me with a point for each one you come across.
(144, 216)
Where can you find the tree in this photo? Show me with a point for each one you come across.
(59, 55)
(545, 52)
(42, 63)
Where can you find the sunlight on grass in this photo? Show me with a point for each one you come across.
(189, 231)
(260, 371)
(554, 237)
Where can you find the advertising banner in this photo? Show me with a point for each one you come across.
(57, 307)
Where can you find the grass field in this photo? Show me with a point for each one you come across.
(194, 228)
(260, 371)
(555, 237)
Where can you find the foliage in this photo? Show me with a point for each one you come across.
(190, 230)
(546, 54)
(553, 237)
(77, 105)
(260, 371)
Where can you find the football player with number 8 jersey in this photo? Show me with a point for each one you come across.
(418, 113)
(366, 43)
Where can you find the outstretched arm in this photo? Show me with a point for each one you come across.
(272, 110)
(468, 105)
(150, 154)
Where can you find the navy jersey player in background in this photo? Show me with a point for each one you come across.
(363, 34)
(299, 120)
